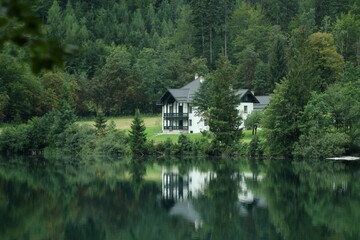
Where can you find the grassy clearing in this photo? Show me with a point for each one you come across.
(124, 123)
(153, 127)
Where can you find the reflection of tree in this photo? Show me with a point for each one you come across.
(81, 201)
(137, 169)
(224, 215)
(332, 196)
(283, 197)
(312, 200)
(223, 195)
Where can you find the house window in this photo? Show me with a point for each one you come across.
(190, 109)
(245, 109)
(205, 122)
(190, 122)
(171, 109)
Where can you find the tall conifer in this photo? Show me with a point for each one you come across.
(137, 135)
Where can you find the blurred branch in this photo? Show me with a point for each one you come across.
(20, 25)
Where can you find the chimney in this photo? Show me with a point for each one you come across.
(202, 79)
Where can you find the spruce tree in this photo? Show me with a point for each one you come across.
(137, 135)
(224, 120)
(100, 124)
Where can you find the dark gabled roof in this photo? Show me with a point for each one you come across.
(263, 102)
(187, 92)
(193, 87)
(246, 96)
(184, 94)
(181, 95)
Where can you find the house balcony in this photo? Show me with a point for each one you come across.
(179, 116)
(176, 128)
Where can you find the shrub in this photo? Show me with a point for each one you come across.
(184, 145)
(39, 130)
(15, 139)
(317, 146)
(75, 139)
(114, 143)
(254, 147)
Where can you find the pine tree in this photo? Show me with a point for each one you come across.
(137, 135)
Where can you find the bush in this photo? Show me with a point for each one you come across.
(184, 145)
(254, 149)
(114, 143)
(39, 130)
(76, 139)
(317, 146)
(165, 148)
(200, 146)
(15, 139)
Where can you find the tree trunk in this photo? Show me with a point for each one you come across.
(211, 50)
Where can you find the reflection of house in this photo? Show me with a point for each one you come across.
(178, 187)
(181, 187)
(178, 191)
(179, 116)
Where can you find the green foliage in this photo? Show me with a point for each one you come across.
(330, 113)
(15, 140)
(254, 147)
(76, 140)
(100, 124)
(20, 25)
(277, 61)
(184, 145)
(152, 46)
(320, 144)
(328, 62)
(137, 135)
(224, 119)
(62, 118)
(20, 91)
(115, 142)
(253, 121)
(347, 33)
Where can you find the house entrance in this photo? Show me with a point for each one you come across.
(181, 124)
(181, 110)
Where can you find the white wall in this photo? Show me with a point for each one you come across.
(198, 123)
(243, 114)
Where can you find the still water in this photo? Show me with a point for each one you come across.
(111, 199)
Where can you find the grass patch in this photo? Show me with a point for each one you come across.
(247, 135)
(153, 127)
(173, 137)
(124, 123)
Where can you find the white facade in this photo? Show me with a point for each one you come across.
(181, 118)
(178, 116)
(245, 109)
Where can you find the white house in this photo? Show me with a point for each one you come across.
(179, 116)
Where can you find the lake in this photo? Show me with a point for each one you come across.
(68, 198)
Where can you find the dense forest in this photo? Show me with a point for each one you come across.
(126, 53)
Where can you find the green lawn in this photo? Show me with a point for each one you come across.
(124, 123)
(248, 136)
(153, 127)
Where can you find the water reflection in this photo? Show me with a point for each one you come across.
(128, 199)
(218, 202)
